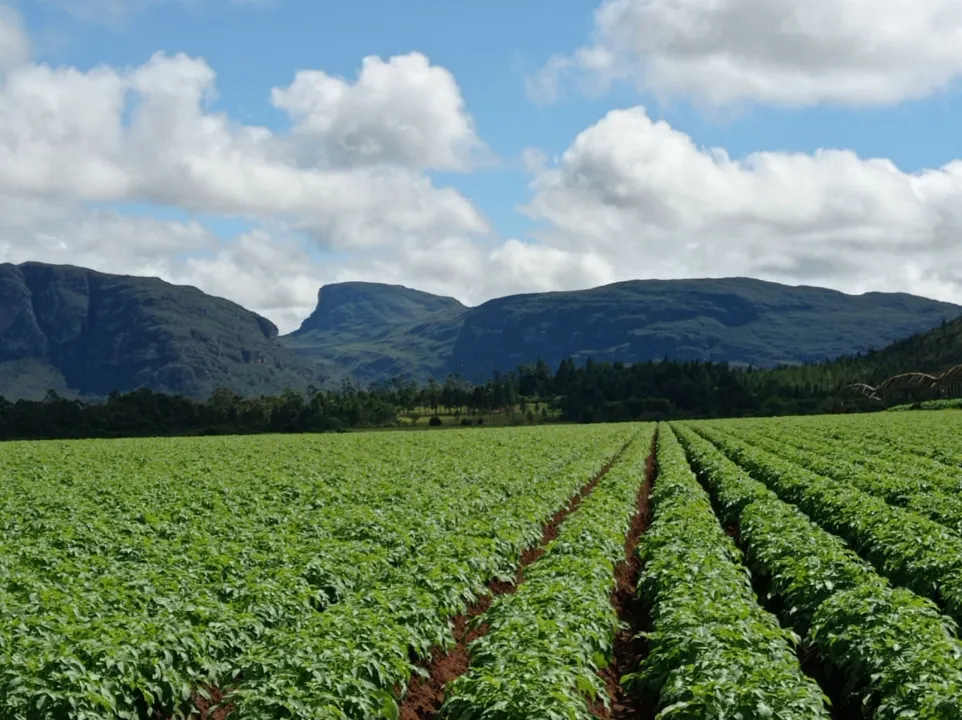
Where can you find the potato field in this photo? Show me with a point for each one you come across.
(789, 568)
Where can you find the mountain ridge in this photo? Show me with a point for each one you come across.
(91, 333)
(82, 332)
(740, 320)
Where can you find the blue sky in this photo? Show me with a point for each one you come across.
(604, 212)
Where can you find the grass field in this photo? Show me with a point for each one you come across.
(780, 568)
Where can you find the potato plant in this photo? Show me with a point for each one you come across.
(302, 574)
(908, 548)
(546, 642)
(714, 652)
(887, 647)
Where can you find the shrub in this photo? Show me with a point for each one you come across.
(434, 421)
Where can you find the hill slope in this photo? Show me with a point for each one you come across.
(370, 331)
(373, 332)
(933, 351)
(83, 332)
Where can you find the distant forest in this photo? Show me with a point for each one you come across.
(592, 392)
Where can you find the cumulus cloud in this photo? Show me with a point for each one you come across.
(349, 175)
(63, 132)
(403, 111)
(272, 273)
(847, 52)
(644, 198)
(345, 192)
(37, 229)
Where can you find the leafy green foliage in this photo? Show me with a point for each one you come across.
(302, 573)
(714, 652)
(921, 484)
(548, 640)
(888, 647)
(906, 547)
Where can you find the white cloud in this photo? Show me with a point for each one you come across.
(271, 273)
(404, 111)
(542, 268)
(846, 52)
(630, 198)
(349, 175)
(649, 202)
(57, 232)
(62, 133)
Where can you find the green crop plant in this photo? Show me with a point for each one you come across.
(714, 652)
(887, 648)
(300, 574)
(908, 548)
(546, 643)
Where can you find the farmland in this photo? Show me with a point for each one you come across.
(787, 568)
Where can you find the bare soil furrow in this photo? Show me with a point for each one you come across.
(629, 649)
(425, 695)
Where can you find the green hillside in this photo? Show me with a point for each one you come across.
(933, 351)
(372, 332)
(85, 333)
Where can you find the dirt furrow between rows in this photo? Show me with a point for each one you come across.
(630, 650)
(425, 695)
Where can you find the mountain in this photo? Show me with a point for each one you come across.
(371, 332)
(933, 351)
(86, 333)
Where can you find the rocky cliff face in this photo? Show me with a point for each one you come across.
(107, 332)
(370, 308)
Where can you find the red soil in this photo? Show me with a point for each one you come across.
(424, 696)
(629, 651)
(204, 706)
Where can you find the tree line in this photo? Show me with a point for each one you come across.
(590, 392)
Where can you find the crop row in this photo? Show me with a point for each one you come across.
(893, 477)
(714, 652)
(932, 436)
(888, 652)
(906, 547)
(347, 661)
(305, 570)
(853, 448)
(547, 642)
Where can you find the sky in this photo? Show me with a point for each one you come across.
(259, 149)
